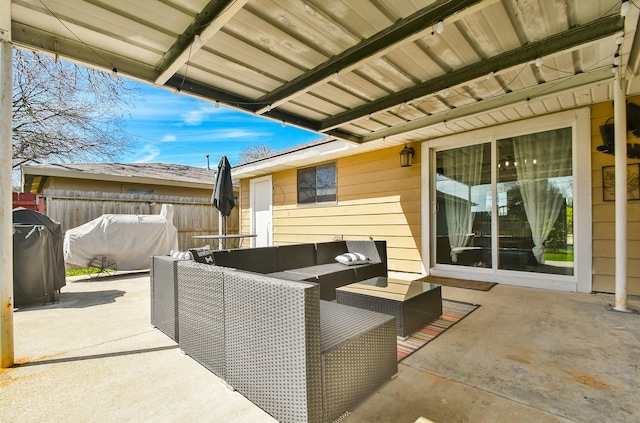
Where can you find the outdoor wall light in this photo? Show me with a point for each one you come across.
(406, 155)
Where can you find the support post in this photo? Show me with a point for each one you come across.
(6, 221)
(620, 134)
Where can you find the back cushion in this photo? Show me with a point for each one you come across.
(326, 252)
(368, 248)
(259, 260)
(295, 256)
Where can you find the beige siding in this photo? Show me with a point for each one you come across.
(59, 183)
(376, 199)
(604, 213)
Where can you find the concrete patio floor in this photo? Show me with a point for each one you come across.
(525, 355)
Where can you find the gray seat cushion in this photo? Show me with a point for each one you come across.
(320, 269)
(290, 276)
(340, 323)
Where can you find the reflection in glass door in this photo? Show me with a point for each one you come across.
(535, 202)
(463, 204)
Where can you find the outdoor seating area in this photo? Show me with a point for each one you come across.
(502, 363)
(422, 211)
(259, 324)
(244, 313)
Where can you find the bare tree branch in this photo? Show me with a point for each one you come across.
(254, 152)
(65, 112)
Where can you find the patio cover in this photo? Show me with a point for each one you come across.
(379, 73)
(130, 240)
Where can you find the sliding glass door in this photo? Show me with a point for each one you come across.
(507, 204)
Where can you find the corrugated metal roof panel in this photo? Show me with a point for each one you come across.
(274, 40)
(284, 53)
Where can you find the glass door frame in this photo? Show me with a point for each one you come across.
(580, 122)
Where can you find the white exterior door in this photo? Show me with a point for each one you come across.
(261, 211)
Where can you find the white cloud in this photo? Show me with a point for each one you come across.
(146, 154)
(197, 116)
(238, 133)
(194, 137)
(169, 138)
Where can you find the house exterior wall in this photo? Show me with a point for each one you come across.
(604, 212)
(76, 184)
(376, 199)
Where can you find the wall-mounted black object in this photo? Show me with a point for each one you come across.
(607, 133)
(633, 119)
(633, 125)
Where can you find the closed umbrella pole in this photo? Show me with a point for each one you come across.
(223, 194)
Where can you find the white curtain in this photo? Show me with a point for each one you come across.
(539, 157)
(463, 166)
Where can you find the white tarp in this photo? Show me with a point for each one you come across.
(128, 239)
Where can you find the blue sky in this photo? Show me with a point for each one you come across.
(183, 130)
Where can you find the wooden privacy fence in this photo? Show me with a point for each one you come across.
(191, 215)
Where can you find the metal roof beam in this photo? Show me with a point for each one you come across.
(213, 17)
(377, 45)
(234, 101)
(566, 40)
(34, 39)
(545, 89)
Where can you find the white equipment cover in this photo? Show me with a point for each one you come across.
(128, 239)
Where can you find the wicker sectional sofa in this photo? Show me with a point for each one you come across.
(311, 262)
(259, 323)
(297, 357)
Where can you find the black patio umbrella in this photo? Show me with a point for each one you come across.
(223, 193)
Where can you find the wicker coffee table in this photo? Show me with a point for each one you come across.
(413, 303)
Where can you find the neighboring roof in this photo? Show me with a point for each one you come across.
(401, 70)
(140, 173)
(299, 156)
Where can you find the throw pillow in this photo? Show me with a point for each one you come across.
(205, 249)
(368, 248)
(180, 255)
(202, 256)
(352, 258)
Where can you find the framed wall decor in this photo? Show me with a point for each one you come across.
(633, 182)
